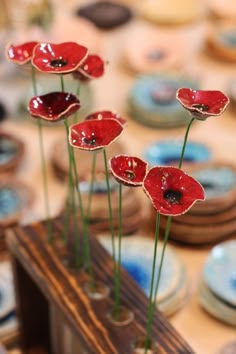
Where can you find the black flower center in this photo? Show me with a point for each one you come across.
(129, 174)
(90, 141)
(172, 197)
(58, 63)
(202, 107)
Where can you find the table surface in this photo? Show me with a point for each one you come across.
(204, 333)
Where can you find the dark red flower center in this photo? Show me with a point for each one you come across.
(129, 174)
(202, 107)
(172, 196)
(58, 63)
(90, 140)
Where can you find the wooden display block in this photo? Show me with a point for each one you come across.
(56, 314)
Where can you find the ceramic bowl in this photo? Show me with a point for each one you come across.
(167, 152)
(152, 100)
(219, 272)
(221, 42)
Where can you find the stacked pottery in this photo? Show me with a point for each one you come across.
(218, 283)
(137, 260)
(221, 42)
(152, 100)
(8, 322)
(98, 209)
(214, 219)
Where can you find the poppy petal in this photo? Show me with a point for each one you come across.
(21, 54)
(128, 170)
(106, 115)
(94, 134)
(53, 106)
(59, 58)
(202, 103)
(172, 191)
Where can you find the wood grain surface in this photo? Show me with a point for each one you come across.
(49, 293)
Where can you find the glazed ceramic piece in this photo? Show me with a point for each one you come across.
(11, 152)
(224, 9)
(99, 214)
(232, 94)
(219, 272)
(8, 322)
(167, 152)
(152, 100)
(137, 254)
(199, 234)
(149, 50)
(221, 42)
(104, 14)
(173, 12)
(15, 196)
(219, 182)
(60, 163)
(229, 348)
(214, 306)
(52, 84)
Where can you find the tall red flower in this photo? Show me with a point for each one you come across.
(172, 191)
(128, 170)
(20, 54)
(106, 115)
(59, 58)
(92, 68)
(202, 103)
(53, 106)
(94, 134)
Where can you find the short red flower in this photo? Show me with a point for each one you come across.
(59, 58)
(128, 170)
(92, 68)
(106, 115)
(172, 191)
(53, 106)
(20, 54)
(94, 134)
(201, 103)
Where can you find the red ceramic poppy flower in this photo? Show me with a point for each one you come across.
(201, 103)
(171, 191)
(22, 53)
(53, 106)
(128, 170)
(92, 68)
(106, 115)
(59, 58)
(94, 134)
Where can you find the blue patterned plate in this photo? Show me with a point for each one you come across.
(152, 100)
(167, 152)
(137, 254)
(220, 271)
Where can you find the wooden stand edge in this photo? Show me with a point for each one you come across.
(56, 314)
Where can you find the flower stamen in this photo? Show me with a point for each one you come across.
(172, 196)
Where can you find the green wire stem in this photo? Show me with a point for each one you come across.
(91, 185)
(118, 273)
(43, 163)
(152, 299)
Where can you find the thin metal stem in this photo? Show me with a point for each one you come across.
(43, 164)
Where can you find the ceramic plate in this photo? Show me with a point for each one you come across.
(7, 299)
(137, 253)
(152, 100)
(220, 271)
(167, 152)
(217, 180)
(215, 306)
